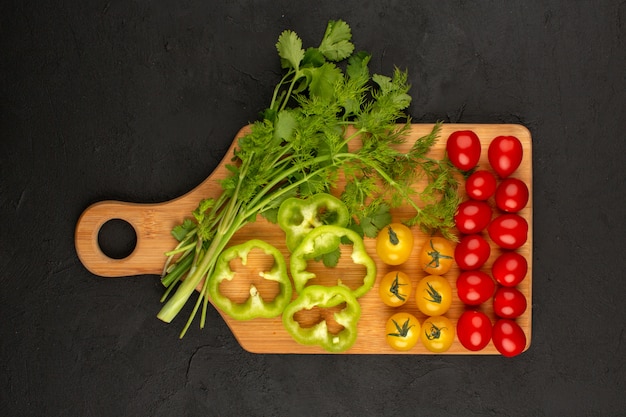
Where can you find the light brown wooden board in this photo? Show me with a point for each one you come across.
(153, 223)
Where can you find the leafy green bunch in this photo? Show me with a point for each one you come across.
(326, 102)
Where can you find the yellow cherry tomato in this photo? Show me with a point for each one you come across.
(436, 256)
(403, 331)
(394, 244)
(433, 295)
(437, 333)
(395, 288)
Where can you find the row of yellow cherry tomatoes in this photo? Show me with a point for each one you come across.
(403, 330)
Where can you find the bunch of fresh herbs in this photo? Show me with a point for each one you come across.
(326, 99)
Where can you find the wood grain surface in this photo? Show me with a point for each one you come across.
(153, 222)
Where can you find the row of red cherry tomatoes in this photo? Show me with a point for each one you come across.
(508, 230)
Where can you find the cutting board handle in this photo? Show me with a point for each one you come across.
(153, 238)
(152, 223)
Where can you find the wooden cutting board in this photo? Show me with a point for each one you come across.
(153, 223)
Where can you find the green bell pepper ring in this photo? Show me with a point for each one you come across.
(324, 297)
(254, 306)
(297, 217)
(326, 239)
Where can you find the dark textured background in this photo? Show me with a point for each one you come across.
(138, 101)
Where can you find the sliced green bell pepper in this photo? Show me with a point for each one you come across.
(324, 297)
(297, 217)
(326, 239)
(254, 306)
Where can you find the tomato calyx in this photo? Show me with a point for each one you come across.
(434, 332)
(436, 256)
(402, 331)
(393, 236)
(434, 294)
(395, 289)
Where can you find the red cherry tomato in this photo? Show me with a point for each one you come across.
(509, 303)
(508, 337)
(472, 252)
(480, 185)
(509, 269)
(473, 330)
(505, 155)
(474, 287)
(509, 231)
(463, 148)
(511, 195)
(472, 216)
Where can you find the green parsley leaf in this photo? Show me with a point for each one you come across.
(330, 259)
(179, 232)
(289, 48)
(313, 57)
(285, 125)
(383, 82)
(336, 43)
(373, 222)
(358, 65)
(324, 79)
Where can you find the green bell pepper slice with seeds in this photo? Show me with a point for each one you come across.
(254, 306)
(297, 217)
(319, 335)
(327, 239)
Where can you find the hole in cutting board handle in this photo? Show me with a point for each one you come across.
(117, 239)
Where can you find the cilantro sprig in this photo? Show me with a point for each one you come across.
(325, 99)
